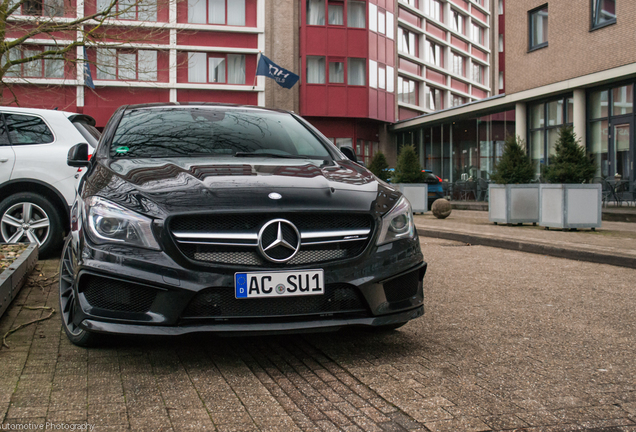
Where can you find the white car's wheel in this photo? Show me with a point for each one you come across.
(30, 218)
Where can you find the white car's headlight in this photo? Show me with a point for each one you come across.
(112, 223)
(397, 223)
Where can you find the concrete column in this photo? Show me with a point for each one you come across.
(520, 120)
(578, 119)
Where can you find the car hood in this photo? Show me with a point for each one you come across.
(162, 187)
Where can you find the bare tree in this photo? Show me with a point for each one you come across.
(41, 38)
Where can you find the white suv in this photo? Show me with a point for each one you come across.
(37, 187)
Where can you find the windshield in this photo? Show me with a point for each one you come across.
(212, 131)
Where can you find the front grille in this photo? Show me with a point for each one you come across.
(232, 239)
(403, 287)
(221, 303)
(116, 295)
(234, 255)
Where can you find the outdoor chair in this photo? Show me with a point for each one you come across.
(624, 194)
(482, 190)
(447, 189)
(607, 190)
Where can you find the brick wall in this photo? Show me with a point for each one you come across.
(573, 50)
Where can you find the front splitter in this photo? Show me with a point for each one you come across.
(251, 329)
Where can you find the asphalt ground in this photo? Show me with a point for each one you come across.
(509, 340)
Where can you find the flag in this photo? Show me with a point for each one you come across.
(88, 77)
(282, 76)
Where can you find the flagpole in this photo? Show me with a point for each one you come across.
(256, 76)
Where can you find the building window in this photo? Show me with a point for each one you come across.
(501, 43)
(315, 12)
(381, 22)
(500, 9)
(407, 91)
(356, 71)
(546, 119)
(126, 65)
(477, 33)
(433, 53)
(406, 42)
(538, 25)
(382, 77)
(603, 13)
(458, 22)
(433, 9)
(457, 100)
(216, 69)
(315, 70)
(373, 17)
(412, 3)
(373, 74)
(610, 112)
(50, 8)
(390, 79)
(37, 68)
(230, 12)
(356, 14)
(336, 72)
(434, 99)
(336, 13)
(145, 10)
(458, 64)
(501, 80)
(478, 73)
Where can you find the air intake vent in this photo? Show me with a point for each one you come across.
(403, 287)
(116, 295)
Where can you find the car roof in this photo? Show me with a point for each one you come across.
(203, 104)
(39, 111)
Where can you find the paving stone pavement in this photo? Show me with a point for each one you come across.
(509, 341)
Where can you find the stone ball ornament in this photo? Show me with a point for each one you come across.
(441, 208)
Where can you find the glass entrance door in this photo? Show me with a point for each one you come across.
(621, 151)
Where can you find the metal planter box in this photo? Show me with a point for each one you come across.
(513, 203)
(570, 205)
(417, 194)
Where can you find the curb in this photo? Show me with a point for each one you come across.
(14, 277)
(574, 254)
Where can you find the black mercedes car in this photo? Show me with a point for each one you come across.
(232, 219)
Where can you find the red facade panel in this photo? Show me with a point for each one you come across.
(478, 93)
(315, 41)
(335, 36)
(315, 100)
(405, 113)
(102, 106)
(456, 42)
(480, 15)
(217, 39)
(461, 3)
(338, 97)
(435, 31)
(357, 43)
(373, 104)
(373, 46)
(479, 54)
(458, 85)
(62, 98)
(357, 101)
(409, 66)
(390, 52)
(409, 17)
(435, 76)
(236, 97)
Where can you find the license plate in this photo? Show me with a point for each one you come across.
(279, 283)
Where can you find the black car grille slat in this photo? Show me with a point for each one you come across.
(221, 303)
(248, 255)
(403, 287)
(116, 295)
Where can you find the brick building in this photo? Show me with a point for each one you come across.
(567, 63)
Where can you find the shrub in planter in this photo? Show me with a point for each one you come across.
(410, 179)
(571, 164)
(568, 202)
(513, 199)
(379, 166)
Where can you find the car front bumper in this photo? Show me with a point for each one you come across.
(171, 288)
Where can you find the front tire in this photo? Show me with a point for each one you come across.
(68, 301)
(30, 217)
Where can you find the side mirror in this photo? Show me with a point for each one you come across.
(349, 153)
(78, 156)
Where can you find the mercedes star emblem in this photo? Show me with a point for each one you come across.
(279, 240)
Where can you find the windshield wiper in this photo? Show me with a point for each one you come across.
(271, 155)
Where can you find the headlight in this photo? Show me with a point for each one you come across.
(111, 223)
(397, 223)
